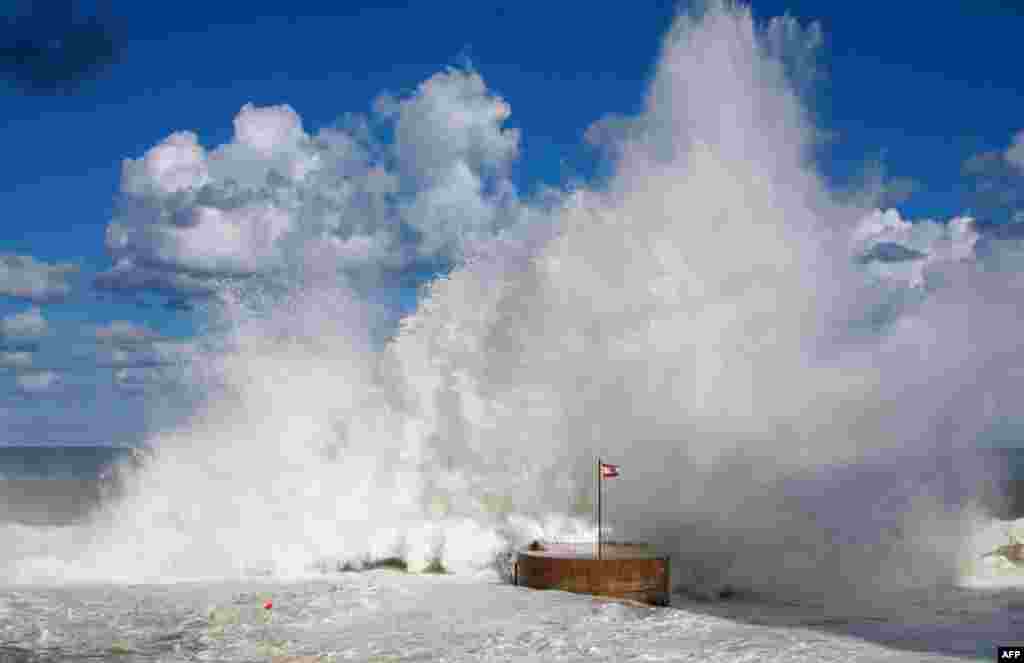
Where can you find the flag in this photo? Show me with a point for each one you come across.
(609, 471)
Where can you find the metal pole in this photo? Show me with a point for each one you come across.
(599, 485)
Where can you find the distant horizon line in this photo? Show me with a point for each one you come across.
(34, 445)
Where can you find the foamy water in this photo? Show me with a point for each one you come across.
(389, 616)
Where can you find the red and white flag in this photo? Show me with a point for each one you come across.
(609, 471)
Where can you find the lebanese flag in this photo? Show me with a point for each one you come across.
(609, 471)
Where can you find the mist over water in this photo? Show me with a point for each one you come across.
(697, 319)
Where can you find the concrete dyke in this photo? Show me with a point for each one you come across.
(631, 571)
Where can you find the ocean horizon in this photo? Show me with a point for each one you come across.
(86, 460)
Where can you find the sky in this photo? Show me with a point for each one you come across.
(156, 157)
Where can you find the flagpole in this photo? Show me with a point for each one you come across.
(599, 485)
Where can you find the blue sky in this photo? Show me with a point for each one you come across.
(908, 95)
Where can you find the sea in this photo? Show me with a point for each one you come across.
(55, 485)
(392, 615)
(58, 462)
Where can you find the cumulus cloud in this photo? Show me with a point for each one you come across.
(452, 121)
(1015, 153)
(27, 278)
(140, 379)
(797, 47)
(145, 354)
(899, 250)
(277, 198)
(15, 359)
(130, 378)
(37, 382)
(123, 332)
(127, 345)
(129, 277)
(996, 179)
(26, 327)
(874, 187)
(118, 358)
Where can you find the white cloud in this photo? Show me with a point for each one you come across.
(1015, 153)
(15, 359)
(116, 357)
(270, 129)
(28, 278)
(996, 179)
(796, 47)
(27, 326)
(176, 164)
(232, 242)
(123, 332)
(925, 244)
(145, 352)
(452, 122)
(177, 350)
(276, 196)
(37, 382)
(137, 379)
(875, 188)
(122, 344)
(452, 211)
(126, 275)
